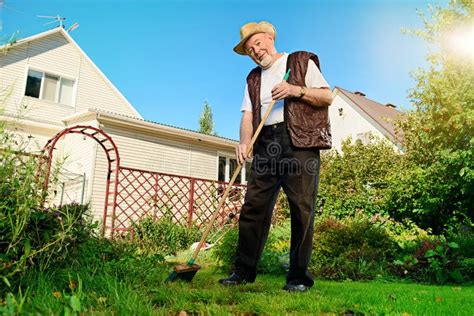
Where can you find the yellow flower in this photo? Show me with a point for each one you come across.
(57, 294)
(72, 285)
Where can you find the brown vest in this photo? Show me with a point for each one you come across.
(307, 125)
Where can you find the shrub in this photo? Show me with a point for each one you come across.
(224, 251)
(57, 233)
(48, 237)
(433, 261)
(407, 235)
(163, 237)
(29, 234)
(281, 213)
(275, 256)
(274, 252)
(352, 248)
(464, 237)
(356, 179)
(431, 195)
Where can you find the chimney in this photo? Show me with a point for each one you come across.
(390, 105)
(360, 93)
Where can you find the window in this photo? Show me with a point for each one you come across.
(227, 168)
(232, 166)
(33, 84)
(222, 164)
(50, 87)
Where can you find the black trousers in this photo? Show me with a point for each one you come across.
(278, 164)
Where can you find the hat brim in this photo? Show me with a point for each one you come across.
(240, 47)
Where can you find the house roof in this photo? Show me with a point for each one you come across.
(106, 116)
(383, 115)
(68, 37)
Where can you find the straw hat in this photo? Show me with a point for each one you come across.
(250, 29)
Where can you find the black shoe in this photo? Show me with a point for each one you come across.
(295, 288)
(233, 279)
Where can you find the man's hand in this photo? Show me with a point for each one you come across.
(284, 90)
(241, 153)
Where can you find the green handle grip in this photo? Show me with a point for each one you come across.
(287, 75)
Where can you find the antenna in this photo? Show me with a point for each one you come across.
(56, 18)
(72, 27)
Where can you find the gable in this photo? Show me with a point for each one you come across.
(57, 54)
(382, 117)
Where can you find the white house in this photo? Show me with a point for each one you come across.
(354, 115)
(48, 84)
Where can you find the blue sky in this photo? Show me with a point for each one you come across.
(168, 57)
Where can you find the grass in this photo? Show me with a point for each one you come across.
(265, 296)
(131, 287)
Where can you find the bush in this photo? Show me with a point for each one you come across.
(163, 237)
(48, 237)
(224, 251)
(281, 213)
(407, 235)
(57, 233)
(274, 252)
(433, 196)
(464, 237)
(30, 235)
(352, 248)
(356, 179)
(432, 261)
(275, 256)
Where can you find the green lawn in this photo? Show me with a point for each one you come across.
(265, 296)
(144, 293)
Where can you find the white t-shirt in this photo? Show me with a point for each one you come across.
(273, 76)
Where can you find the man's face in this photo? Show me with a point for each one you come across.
(260, 47)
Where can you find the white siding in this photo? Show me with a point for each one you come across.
(30, 139)
(55, 54)
(203, 163)
(156, 153)
(98, 184)
(94, 92)
(12, 78)
(350, 123)
(76, 154)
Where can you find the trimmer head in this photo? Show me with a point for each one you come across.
(184, 272)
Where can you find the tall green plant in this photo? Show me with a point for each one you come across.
(163, 237)
(356, 179)
(20, 194)
(31, 235)
(435, 186)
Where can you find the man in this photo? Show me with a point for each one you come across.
(286, 153)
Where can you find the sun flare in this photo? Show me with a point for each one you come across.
(460, 42)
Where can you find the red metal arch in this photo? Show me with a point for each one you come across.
(113, 158)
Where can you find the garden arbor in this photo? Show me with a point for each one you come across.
(113, 165)
(133, 193)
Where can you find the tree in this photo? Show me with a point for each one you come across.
(436, 185)
(206, 124)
